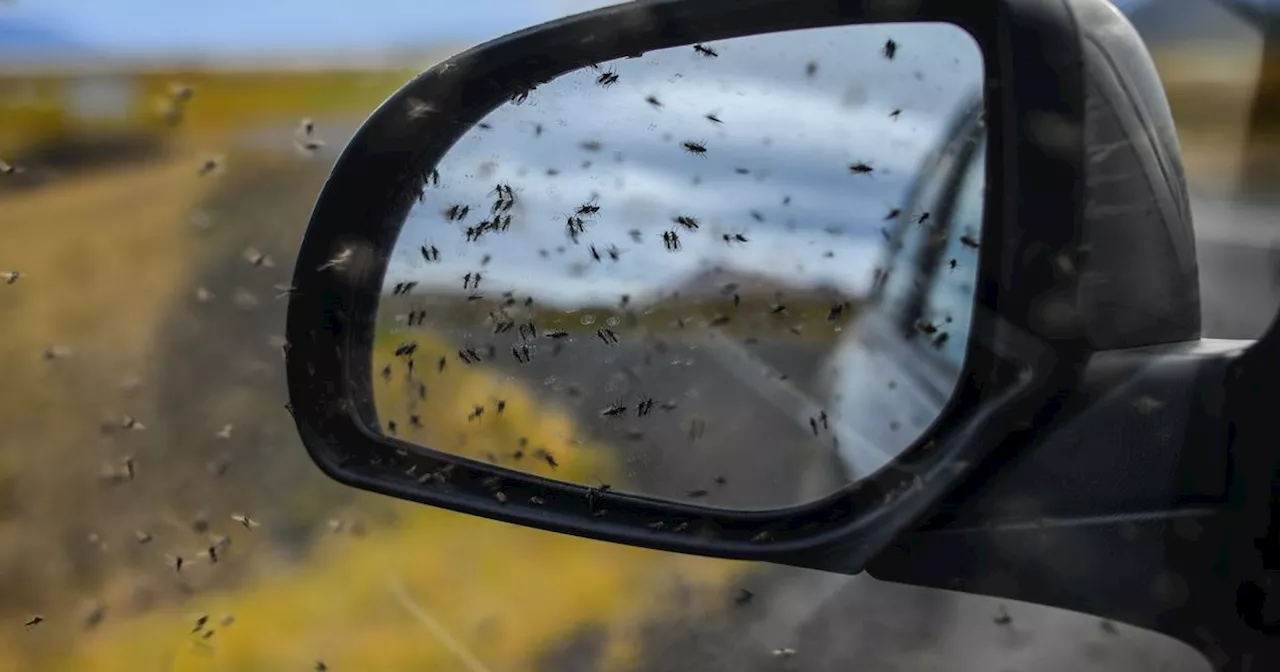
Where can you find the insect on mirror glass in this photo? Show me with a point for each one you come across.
(704, 274)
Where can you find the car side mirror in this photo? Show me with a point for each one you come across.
(528, 390)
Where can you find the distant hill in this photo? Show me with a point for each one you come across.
(712, 285)
(718, 281)
(754, 305)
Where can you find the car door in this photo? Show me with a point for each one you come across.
(911, 335)
(943, 311)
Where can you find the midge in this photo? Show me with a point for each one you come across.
(694, 147)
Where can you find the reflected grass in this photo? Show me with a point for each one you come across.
(517, 436)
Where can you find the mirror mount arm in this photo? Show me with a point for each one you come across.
(1177, 542)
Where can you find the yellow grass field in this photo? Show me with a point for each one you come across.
(35, 108)
(112, 260)
(510, 596)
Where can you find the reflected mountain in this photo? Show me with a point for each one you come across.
(751, 305)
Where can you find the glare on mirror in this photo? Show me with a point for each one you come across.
(737, 273)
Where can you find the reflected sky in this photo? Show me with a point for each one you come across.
(776, 169)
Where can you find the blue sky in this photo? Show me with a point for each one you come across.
(257, 26)
(239, 26)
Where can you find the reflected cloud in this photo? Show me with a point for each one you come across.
(783, 117)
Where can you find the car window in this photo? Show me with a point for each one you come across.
(907, 238)
(948, 300)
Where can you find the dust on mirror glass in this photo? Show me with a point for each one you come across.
(736, 273)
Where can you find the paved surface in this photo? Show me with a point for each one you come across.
(762, 450)
(836, 623)
(1238, 247)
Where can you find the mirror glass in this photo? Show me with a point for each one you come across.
(736, 273)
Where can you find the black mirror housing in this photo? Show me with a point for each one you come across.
(1035, 111)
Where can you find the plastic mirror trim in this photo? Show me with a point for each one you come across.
(1031, 52)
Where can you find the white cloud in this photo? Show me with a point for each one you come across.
(794, 136)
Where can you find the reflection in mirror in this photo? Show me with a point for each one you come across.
(735, 273)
